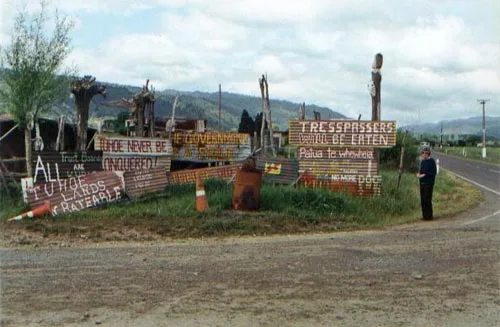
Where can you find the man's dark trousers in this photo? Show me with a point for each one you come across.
(426, 200)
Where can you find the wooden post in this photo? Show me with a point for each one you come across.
(376, 96)
(401, 161)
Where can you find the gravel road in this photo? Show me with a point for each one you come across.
(439, 273)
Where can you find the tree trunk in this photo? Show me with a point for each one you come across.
(27, 145)
(82, 116)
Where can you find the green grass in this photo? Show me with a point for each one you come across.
(284, 209)
(474, 153)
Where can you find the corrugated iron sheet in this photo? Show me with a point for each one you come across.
(133, 146)
(208, 147)
(342, 133)
(143, 182)
(347, 167)
(77, 193)
(135, 162)
(53, 165)
(278, 170)
(188, 176)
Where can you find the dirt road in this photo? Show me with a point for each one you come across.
(439, 273)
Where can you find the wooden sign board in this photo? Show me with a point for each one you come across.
(51, 165)
(319, 153)
(353, 184)
(343, 133)
(143, 182)
(337, 167)
(188, 176)
(278, 170)
(77, 193)
(126, 162)
(133, 146)
(209, 147)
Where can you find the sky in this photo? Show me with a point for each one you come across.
(440, 56)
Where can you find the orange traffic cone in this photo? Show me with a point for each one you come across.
(38, 211)
(201, 197)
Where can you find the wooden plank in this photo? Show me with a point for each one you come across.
(77, 193)
(133, 146)
(342, 133)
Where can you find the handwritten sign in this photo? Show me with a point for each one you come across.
(133, 146)
(142, 182)
(134, 162)
(330, 153)
(208, 147)
(52, 165)
(188, 176)
(353, 184)
(343, 133)
(77, 193)
(335, 167)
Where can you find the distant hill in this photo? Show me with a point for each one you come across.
(469, 126)
(199, 105)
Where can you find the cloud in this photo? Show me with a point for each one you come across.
(439, 56)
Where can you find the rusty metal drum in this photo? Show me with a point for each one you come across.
(246, 195)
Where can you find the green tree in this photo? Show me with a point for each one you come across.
(247, 124)
(33, 80)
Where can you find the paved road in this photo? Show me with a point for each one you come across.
(438, 273)
(484, 175)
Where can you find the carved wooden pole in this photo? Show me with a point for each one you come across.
(84, 90)
(377, 80)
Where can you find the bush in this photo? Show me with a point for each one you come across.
(389, 158)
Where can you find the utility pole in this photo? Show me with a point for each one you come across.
(483, 102)
(441, 143)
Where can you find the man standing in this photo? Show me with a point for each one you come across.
(426, 175)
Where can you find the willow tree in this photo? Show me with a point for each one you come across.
(84, 89)
(33, 80)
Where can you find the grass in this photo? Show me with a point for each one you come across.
(284, 209)
(474, 153)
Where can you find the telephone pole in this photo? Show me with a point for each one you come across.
(220, 107)
(483, 102)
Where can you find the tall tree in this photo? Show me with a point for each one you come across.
(84, 90)
(247, 124)
(34, 80)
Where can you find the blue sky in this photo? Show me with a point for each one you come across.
(439, 56)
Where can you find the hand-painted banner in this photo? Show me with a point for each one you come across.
(278, 170)
(133, 146)
(134, 162)
(77, 193)
(209, 153)
(333, 153)
(143, 182)
(209, 147)
(343, 133)
(52, 165)
(188, 176)
(346, 167)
